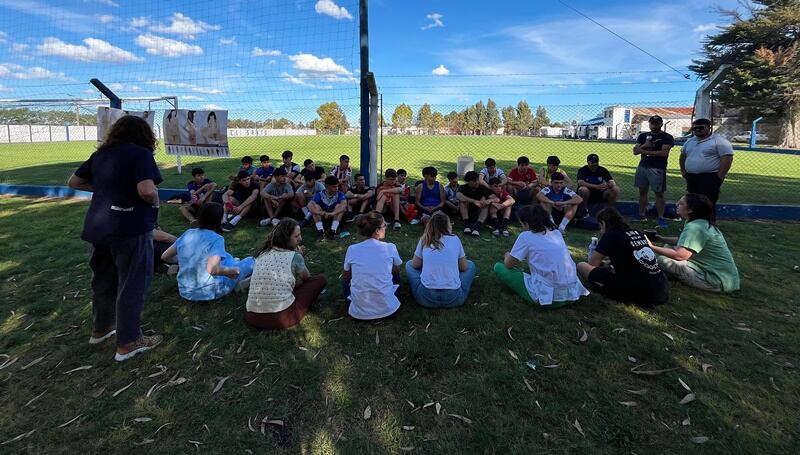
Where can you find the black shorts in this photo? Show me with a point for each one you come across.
(595, 196)
(605, 281)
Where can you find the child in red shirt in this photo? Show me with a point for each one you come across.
(500, 208)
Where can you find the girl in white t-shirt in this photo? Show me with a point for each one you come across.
(371, 272)
(439, 274)
(553, 280)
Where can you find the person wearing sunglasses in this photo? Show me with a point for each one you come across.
(653, 147)
(705, 161)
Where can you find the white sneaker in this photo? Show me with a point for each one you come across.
(275, 222)
(265, 222)
(467, 230)
(413, 222)
(397, 225)
(141, 345)
(98, 340)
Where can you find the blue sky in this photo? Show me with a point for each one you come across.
(283, 58)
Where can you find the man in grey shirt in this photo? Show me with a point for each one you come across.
(705, 161)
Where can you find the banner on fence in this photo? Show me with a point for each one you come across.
(108, 116)
(196, 133)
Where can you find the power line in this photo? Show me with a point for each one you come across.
(685, 75)
(566, 84)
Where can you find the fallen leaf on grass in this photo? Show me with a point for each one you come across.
(408, 428)
(85, 367)
(699, 439)
(34, 398)
(144, 442)
(142, 419)
(686, 330)
(669, 336)
(688, 389)
(555, 365)
(70, 421)
(377, 338)
(461, 418)
(705, 367)
(438, 408)
(527, 385)
(632, 359)
(251, 382)
(743, 329)
(302, 348)
(620, 330)
(367, 413)
(578, 427)
(768, 351)
(22, 436)
(275, 422)
(584, 338)
(637, 392)
(688, 398)
(241, 346)
(219, 385)
(458, 358)
(508, 332)
(635, 370)
(32, 363)
(407, 448)
(122, 389)
(427, 405)
(629, 404)
(513, 355)
(162, 368)
(194, 346)
(8, 363)
(772, 381)
(686, 422)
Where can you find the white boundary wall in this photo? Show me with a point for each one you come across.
(15, 134)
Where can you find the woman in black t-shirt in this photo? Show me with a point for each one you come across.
(634, 275)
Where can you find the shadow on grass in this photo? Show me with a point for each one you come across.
(319, 377)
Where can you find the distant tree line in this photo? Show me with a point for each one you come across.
(27, 116)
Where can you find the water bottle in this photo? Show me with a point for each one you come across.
(592, 246)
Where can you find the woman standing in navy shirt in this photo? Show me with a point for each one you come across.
(122, 175)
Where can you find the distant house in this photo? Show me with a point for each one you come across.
(625, 123)
(591, 129)
(554, 131)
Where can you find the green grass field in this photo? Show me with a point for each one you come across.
(756, 177)
(416, 372)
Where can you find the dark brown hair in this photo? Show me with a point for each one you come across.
(612, 219)
(700, 207)
(210, 217)
(130, 130)
(537, 218)
(280, 236)
(369, 223)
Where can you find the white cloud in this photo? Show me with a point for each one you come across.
(108, 3)
(166, 47)
(213, 107)
(329, 8)
(272, 62)
(105, 18)
(207, 91)
(185, 26)
(184, 85)
(3, 88)
(440, 71)
(258, 52)
(702, 29)
(227, 41)
(436, 21)
(295, 80)
(14, 71)
(190, 98)
(3, 37)
(19, 47)
(93, 50)
(138, 22)
(62, 18)
(314, 64)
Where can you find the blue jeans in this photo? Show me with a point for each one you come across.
(226, 285)
(440, 298)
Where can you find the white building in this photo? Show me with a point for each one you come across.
(625, 123)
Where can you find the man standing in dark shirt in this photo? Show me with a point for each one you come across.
(654, 149)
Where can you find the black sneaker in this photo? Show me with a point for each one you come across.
(476, 229)
(320, 235)
(331, 235)
(349, 217)
(227, 227)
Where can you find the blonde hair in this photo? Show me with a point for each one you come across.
(438, 226)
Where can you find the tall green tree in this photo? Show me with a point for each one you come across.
(470, 120)
(480, 117)
(402, 116)
(437, 122)
(762, 45)
(492, 117)
(540, 119)
(524, 118)
(509, 120)
(425, 118)
(331, 117)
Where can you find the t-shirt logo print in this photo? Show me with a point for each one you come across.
(646, 257)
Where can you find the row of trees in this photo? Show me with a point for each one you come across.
(479, 119)
(27, 116)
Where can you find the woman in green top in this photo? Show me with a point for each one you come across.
(701, 257)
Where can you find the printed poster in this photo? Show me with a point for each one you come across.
(196, 133)
(108, 116)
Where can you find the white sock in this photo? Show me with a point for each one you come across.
(306, 212)
(236, 220)
(564, 223)
(224, 217)
(318, 224)
(335, 225)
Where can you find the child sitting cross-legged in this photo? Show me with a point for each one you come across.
(389, 197)
(430, 197)
(277, 197)
(206, 270)
(238, 200)
(500, 207)
(359, 196)
(451, 194)
(201, 190)
(328, 206)
(559, 201)
(304, 194)
(474, 201)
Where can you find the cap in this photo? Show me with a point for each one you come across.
(656, 119)
(592, 158)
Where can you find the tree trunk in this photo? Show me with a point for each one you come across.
(790, 127)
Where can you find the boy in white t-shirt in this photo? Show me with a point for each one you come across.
(371, 272)
(491, 171)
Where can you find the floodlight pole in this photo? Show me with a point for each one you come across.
(364, 47)
(702, 98)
